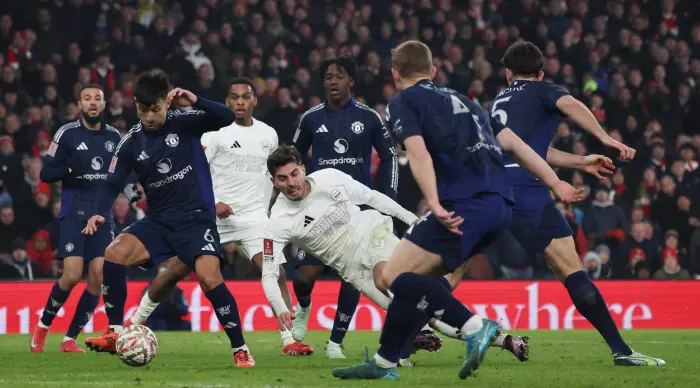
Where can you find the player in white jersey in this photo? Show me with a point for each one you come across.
(237, 156)
(320, 213)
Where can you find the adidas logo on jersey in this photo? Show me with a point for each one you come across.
(235, 145)
(142, 156)
(307, 220)
(322, 129)
(209, 247)
(82, 147)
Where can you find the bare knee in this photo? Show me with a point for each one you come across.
(208, 273)
(562, 257)
(94, 281)
(383, 281)
(70, 279)
(117, 253)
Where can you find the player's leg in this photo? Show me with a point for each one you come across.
(160, 288)
(348, 299)
(309, 270)
(70, 250)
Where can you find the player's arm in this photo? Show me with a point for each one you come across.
(363, 195)
(304, 136)
(57, 164)
(579, 112)
(273, 256)
(389, 164)
(207, 115)
(528, 159)
(596, 165)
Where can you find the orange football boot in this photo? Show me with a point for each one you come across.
(243, 359)
(36, 343)
(297, 349)
(70, 347)
(107, 342)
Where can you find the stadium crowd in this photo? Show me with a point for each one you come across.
(636, 64)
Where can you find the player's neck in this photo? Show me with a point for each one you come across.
(307, 189)
(408, 82)
(244, 121)
(93, 127)
(524, 79)
(340, 103)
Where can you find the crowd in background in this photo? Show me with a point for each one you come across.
(635, 64)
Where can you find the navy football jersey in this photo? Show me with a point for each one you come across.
(344, 139)
(529, 108)
(169, 162)
(459, 135)
(73, 142)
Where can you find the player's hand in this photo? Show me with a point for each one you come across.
(93, 223)
(446, 218)
(284, 320)
(132, 192)
(181, 97)
(223, 211)
(598, 166)
(626, 153)
(567, 193)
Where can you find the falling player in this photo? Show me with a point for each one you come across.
(78, 157)
(237, 156)
(320, 213)
(457, 163)
(341, 133)
(532, 109)
(165, 152)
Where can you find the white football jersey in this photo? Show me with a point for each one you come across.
(237, 158)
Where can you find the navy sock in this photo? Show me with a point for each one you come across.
(303, 292)
(589, 302)
(417, 297)
(348, 298)
(114, 292)
(83, 313)
(57, 298)
(226, 310)
(408, 347)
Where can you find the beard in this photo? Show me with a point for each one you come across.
(93, 120)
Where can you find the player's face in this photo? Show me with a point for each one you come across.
(337, 83)
(241, 100)
(289, 180)
(92, 104)
(153, 116)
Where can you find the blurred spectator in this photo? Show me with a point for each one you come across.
(18, 264)
(8, 230)
(123, 215)
(604, 216)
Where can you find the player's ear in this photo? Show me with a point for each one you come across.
(509, 75)
(255, 101)
(540, 76)
(433, 72)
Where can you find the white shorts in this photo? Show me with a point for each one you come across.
(379, 247)
(249, 236)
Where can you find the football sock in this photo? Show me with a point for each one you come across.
(114, 293)
(589, 302)
(348, 298)
(415, 298)
(242, 347)
(227, 311)
(57, 298)
(303, 292)
(408, 347)
(500, 341)
(146, 307)
(83, 313)
(286, 337)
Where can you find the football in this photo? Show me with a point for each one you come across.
(137, 345)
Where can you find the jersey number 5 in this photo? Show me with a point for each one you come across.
(500, 113)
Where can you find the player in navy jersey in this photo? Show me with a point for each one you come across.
(455, 156)
(165, 153)
(533, 109)
(341, 133)
(78, 157)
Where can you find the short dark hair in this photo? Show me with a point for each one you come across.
(347, 64)
(151, 87)
(282, 156)
(90, 86)
(524, 59)
(242, 81)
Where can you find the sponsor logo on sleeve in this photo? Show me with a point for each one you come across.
(113, 164)
(52, 149)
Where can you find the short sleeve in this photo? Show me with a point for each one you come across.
(209, 144)
(402, 120)
(496, 125)
(550, 94)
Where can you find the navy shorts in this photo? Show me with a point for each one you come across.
(536, 220)
(72, 242)
(486, 218)
(188, 238)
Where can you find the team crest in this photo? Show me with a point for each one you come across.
(301, 255)
(357, 127)
(109, 146)
(336, 195)
(172, 140)
(69, 247)
(265, 146)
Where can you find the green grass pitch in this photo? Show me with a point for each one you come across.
(557, 359)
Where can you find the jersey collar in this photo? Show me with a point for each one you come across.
(345, 108)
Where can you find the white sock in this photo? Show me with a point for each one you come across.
(383, 362)
(447, 330)
(117, 328)
(473, 325)
(286, 337)
(146, 307)
(244, 347)
(66, 339)
(498, 343)
(426, 327)
(331, 343)
(41, 325)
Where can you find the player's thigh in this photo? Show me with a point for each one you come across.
(562, 257)
(94, 279)
(208, 270)
(536, 223)
(71, 240)
(166, 280)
